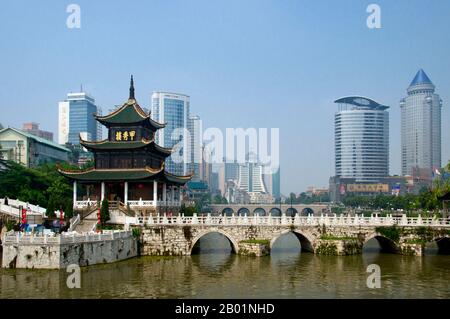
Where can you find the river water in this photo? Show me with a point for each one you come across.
(215, 273)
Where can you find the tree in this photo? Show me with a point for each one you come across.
(50, 212)
(68, 211)
(219, 199)
(104, 212)
(58, 193)
(1, 126)
(42, 186)
(188, 210)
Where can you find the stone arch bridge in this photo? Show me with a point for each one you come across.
(320, 235)
(270, 209)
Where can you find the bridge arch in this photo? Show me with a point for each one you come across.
(232, 241)
(242, 211)
(443, 244)
(291, 212)
(275, 212)
(259, 211)
(387, 245)
(306, 211)
(227, 211)
(306, 241)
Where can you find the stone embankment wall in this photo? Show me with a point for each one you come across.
(61, 255)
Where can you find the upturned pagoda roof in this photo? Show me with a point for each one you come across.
(141, 174)
(125, 145)
(129, 113)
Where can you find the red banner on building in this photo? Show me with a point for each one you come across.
(24, 215)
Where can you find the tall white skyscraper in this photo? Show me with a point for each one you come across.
(172, 109)
(361, 139)
(196, 133)
(251, 177)
(421, 128)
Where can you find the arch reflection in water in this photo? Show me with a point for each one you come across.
(213, 254)
(380, 244)
(213, 243)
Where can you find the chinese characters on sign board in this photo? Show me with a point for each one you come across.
(125, 135)
(367, 188)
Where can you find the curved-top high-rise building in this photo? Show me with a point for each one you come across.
(172, 109)
(361, 139)
(421, 128)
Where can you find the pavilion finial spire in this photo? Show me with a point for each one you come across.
(131, 89)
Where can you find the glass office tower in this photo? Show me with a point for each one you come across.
(173, 110)
(76, 117)
(361, 139)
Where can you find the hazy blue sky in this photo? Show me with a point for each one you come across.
(251, 63)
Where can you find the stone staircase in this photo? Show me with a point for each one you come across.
(85, 226)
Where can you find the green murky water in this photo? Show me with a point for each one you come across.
(215, 273)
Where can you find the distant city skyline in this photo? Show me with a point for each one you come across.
(252, 64)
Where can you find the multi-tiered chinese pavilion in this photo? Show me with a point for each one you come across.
(128, 167)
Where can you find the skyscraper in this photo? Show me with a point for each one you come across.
(172, 109)
(76, 117)
(251, 177)
(206, 165)
(231, 170)
(195, 130)
(361, 139)
(272, 182)
(421, 128)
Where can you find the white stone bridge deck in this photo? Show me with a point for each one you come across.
(310, 220)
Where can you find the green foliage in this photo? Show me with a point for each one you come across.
(328, 249)
(218, 199)
(425, 233)
(50, 212)
(426, 200)
(136, 233)
(59, 192)
(110, 227)
(104, 212)
(68, 210)
(329, 237)
(304, 198)
(391, 232)
(42, 186)
(255, 241)
(10, 225)
(337, 210)
(188, 210)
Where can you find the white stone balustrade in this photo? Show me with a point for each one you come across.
(356, 221)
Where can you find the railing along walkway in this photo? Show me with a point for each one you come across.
(356, 220)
